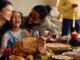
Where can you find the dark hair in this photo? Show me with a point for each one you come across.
(42, 10)
(4, 29)
(48, 8)
(4, 3)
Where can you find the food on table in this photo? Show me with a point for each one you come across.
(64, 39)
(28, 45)
(7, 52)
(12, 57)
(44, 58)
(58, 46)
(61, 57)
(41, 57)
(19, 58)
(70, 53)
(76, 56)
(30, 57)
(42, 51)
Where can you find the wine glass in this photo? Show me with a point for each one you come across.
(53, 36)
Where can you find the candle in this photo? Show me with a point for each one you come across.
(74, 20)
(74, 15)
(78, 5)
(74, 35)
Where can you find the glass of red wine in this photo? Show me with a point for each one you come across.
(53, 36)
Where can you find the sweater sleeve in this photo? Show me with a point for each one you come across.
(52, 27)
(64, 6)
(4, 42)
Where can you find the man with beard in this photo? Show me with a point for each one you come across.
(38, 20)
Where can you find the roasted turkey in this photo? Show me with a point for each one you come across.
(28, 45)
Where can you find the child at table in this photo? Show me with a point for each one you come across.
(15, 33)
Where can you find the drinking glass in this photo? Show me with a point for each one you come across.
(53, 36)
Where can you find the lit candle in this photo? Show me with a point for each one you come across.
(74, 35)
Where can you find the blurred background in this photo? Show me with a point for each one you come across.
(25, 6)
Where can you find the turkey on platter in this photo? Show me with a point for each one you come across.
(28, 45)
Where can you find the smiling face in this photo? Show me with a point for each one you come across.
(34, 18)
(6, 13)
(15, 19)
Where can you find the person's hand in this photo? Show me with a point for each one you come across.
(25, 33)
(74, 5)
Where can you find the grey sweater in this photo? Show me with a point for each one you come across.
(46, 26)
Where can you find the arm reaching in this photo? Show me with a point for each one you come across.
(25, 33)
